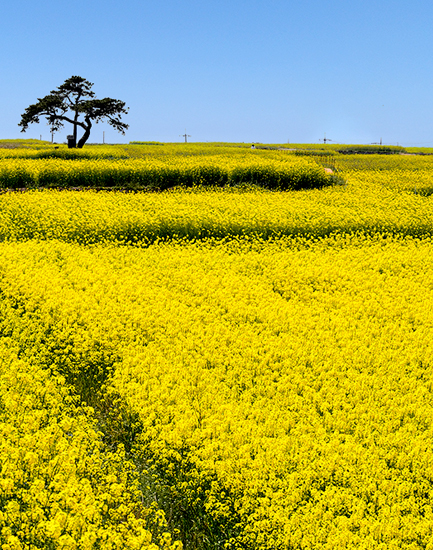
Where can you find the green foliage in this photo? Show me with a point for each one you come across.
(66, 154)
(371, 149)
(314, 153)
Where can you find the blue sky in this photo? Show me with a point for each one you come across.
(248, 71)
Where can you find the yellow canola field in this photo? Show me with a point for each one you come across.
(166, 150)
(283, 392)
(418, 181)
(258, 366)
(59, 487)
(91, 216)
(410, 173)
(173, 167)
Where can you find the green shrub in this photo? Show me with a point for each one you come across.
(371, 149)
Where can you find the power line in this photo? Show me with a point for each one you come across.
(325, 139)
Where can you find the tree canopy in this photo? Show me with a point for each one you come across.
(74, 102)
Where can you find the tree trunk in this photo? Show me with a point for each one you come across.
(86, 135)
(75, 128)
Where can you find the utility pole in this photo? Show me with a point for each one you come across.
(325, 139)
(185, 135)
(103, 138)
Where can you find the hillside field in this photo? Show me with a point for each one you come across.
(215, 347)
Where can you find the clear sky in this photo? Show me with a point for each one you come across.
(268, 71)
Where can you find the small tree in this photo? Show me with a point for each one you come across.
(75, 96)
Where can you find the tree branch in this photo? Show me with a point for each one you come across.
(67, 119)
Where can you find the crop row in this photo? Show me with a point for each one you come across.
(91, 216)
(286, 173)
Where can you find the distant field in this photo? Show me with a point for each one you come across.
(226, 366)
(156, 167)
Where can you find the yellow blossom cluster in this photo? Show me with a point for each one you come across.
(59, 488)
